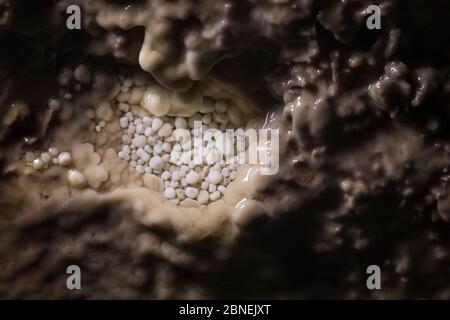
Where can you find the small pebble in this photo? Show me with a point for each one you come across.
(180, 123)
(169, 193)
(157, 124)
(53, 151)
(191, 192)
(76, 178)
(156, 163)
(214, 196)
(37, 164)
(192, 177)
(65, 159)
(203, 197)
(46, 157)
(214, 177)
(83, 74)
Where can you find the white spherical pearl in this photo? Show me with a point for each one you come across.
(147, 121)
(37, 164)
(140, 141)
(165, 130)
(191, 192)
(180, 123)
(155, 100)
